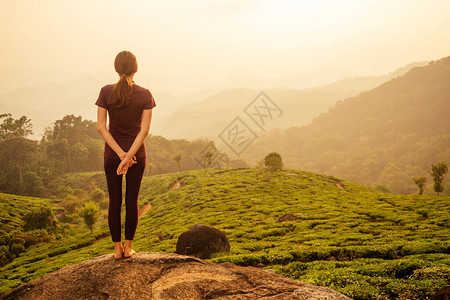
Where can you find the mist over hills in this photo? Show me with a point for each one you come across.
(207, 118)
(384, 136)
(45, 103)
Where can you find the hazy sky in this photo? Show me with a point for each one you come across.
(185, 46)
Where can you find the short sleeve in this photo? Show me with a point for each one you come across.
(149, 101)
(101, 101)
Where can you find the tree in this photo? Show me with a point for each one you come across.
(33, 184)
(14, 154)
(207, 158)
(90, 212)
(78, 155)
(15, 150)
(420, 182)
(177, 158)
(11, 128)
(71, 128)
(437, 172)
(95, 154)
(58, 151)
(273, 163)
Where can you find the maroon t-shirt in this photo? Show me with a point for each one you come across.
(125, 123)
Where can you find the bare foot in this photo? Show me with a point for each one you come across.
(129, 253)
(118, 250)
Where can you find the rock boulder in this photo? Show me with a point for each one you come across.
(201, 241)
(149, 275)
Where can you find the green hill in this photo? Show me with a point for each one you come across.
(354, 239)
(385, 136)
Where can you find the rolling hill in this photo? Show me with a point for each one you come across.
(384, 136)
(207, 117)
(361, 242)
(176, 113)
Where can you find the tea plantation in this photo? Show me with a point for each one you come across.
(354, 239)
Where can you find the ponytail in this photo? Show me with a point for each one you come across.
(125, 65)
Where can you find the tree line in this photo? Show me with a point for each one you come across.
(74, 145)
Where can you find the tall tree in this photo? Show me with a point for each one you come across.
(177, 158)
(420, 182)
(14, 154)
(273, 163)
(15, 151)
(12, 128)
(78, 155)
(438, 171)
(90, 212)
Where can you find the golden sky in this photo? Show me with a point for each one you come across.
(185, 46)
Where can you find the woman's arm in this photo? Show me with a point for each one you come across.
(145, 127)
(101, 127)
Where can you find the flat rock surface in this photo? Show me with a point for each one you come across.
(149, 275)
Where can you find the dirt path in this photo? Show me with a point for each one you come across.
(175, 185)
(144, 209)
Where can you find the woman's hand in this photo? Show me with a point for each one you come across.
(123, 166)
(125, 163)
(122, 156)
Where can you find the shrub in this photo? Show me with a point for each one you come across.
(63, 190)
(43, 218)
(97, 195)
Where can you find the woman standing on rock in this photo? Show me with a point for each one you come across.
(130, 112)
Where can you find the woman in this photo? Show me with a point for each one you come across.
(130, 112)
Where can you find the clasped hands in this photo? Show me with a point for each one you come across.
(125, 164)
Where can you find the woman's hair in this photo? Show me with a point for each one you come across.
(125, 65)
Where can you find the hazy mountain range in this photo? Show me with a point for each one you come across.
(385, 136)
(203, 113)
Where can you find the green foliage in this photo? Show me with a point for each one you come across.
(13, 128)
(13, 211)
(15, 155)
(97, 195)
(273, 161)
(33, 184)
(74, 145)
(420, 182)
(380, 137)
(437, 172)
(196, 154)
(90, 213)
(63, 191)
(382, 188)
(42, 218)
(177, 158)
(364, 243)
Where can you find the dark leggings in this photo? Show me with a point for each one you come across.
(133, 184)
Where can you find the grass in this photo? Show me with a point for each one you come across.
(359, 241)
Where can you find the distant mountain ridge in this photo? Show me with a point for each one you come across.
(208, 117)
(384, 136)
(45, 103)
